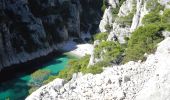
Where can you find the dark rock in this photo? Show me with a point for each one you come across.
(32, 28)
(126, 79)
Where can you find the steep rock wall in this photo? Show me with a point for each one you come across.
(33, 28)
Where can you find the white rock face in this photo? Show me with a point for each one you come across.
(113, 3)
(166, 34)
(47, 92)
(126, 8)
(119, 32)
(107, 19)
(107, 16)
(158, 87)
(94, 60)
(149, 80)
(140, 13)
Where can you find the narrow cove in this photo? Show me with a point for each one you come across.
(18, 87)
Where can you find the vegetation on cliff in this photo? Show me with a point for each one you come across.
(101, 36)
(143, 40)
(37, 79)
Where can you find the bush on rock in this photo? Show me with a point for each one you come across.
(143, 40)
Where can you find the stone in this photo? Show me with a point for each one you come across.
(126, 78)
(149, 81)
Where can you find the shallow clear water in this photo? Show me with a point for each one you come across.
(17, 88)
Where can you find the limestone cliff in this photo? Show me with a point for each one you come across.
(147, 80)
(32, 28)
(140, 80)
(122, 17)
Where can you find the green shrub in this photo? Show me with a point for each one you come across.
(115, 10)
(94, 69)
(81, 65)
(101, 36)
(74, 66)
(168, 3)
(104, 6)
(126, 20)
(151, 18)
(166, 20)
(97, 67)
(155, 18)
(50, 79)
(143, 40)
(108, 27)
(78, 65)
(166, 16)
(38, 77)
(154, 6)
(112, 50)
(165, 26)
(32, 89)
(121, 2)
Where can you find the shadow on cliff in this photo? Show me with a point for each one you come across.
(29, 67)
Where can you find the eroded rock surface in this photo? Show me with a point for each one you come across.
(147, 80)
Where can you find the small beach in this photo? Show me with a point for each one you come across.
(75, 49)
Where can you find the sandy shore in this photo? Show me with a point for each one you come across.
(79, 50)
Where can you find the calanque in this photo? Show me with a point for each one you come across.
(107, 49)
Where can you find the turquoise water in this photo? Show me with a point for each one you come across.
(17, 88)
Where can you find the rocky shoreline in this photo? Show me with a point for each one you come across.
(146, 80)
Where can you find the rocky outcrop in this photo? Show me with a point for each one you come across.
(147, 80)
(113, 20)
(33, 28)
(107, 16)
(129, 17)
(141, 11)
(106, 20)
(94, 60)
(126, 7)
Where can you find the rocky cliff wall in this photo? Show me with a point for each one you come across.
(141, 80)
(33, 28)
(147, 80)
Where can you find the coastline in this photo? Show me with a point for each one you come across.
(27, 67)
(72, 55)
(74, 49)
(70, 49)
